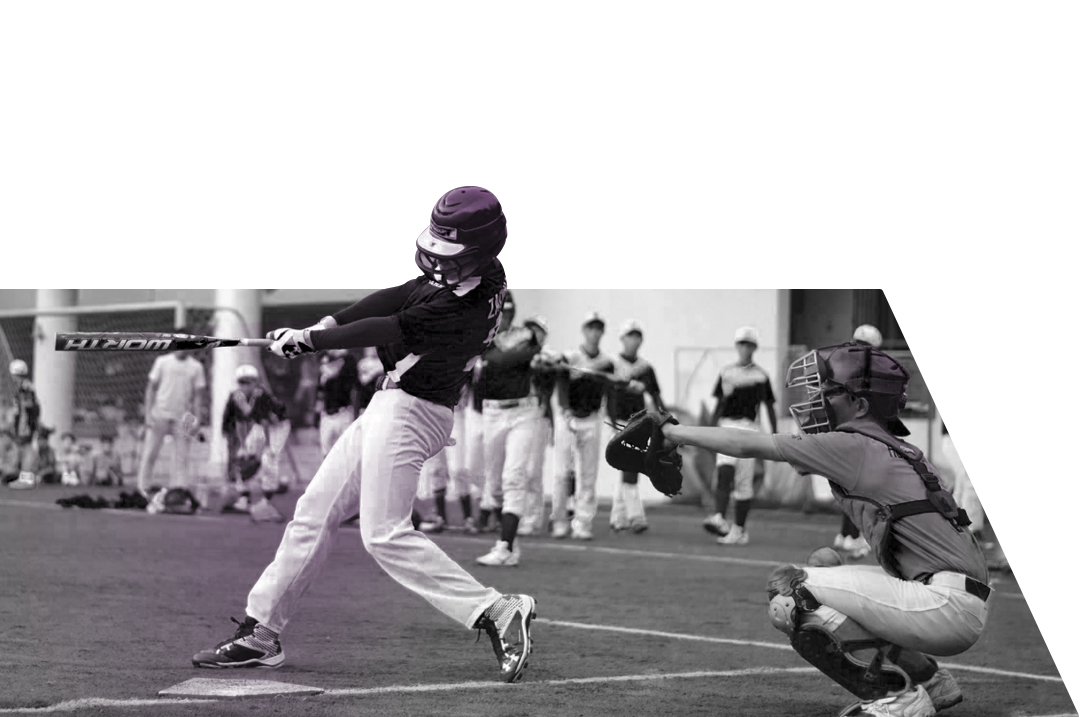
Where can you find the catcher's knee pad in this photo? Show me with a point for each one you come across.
(867, 679)
(789, 599)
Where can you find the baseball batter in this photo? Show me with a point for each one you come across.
(640, 391)
(430, 331)
(872, 629)
(740, 391)
(580, 397)
(512, 415)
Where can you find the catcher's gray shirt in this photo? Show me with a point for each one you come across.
(926, 543)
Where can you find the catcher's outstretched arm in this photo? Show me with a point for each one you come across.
(734, 442)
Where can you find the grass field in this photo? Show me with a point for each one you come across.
(101, 610)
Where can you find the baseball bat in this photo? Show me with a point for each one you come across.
(146, 341)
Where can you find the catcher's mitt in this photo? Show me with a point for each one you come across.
(640, 447)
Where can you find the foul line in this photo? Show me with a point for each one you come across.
(92, 702)
(775, 646)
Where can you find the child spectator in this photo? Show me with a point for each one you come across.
(67, 460)
(105, 464)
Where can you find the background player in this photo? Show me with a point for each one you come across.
(491, 495)
(580, 397)
(338, 379)
(176, 389)
(511, 417)
(256, 426)
(429, 332)
(927, 596)
(740, 391)
(543, 386)
(22, 427)
(641, 391)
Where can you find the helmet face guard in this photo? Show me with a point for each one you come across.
(809, 406)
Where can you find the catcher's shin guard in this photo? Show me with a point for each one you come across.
(872, 679)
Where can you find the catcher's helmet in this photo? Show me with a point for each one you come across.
(467, 231)
(858, 369)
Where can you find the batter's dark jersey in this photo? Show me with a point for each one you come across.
(623, 403)
(507, 371)
(336, 393)
(740, 391)
(444, 332)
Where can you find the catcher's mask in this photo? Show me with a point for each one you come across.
(467, 231)
(857, 369)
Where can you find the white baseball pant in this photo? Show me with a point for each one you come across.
(577, 445)
(375, 467)
(509, 435)
(744, 467)
(331, 426)
(534, 470)
(434, 475)
(156, 430)
(940, 619)
(465, 459)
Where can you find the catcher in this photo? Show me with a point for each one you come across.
(871, 629)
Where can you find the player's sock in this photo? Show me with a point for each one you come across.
(440, 503)
(485, 516)
(742, 509)
(725, 483)
(498, 515)
(509, 528)
(466, 507)
(848, 529)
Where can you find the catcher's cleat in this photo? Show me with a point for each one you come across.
(508, 618)
(265, 512)
(943, 690)
(716, 525)
(736, 536)
(913, 703)
(253, 645)
(501, 556)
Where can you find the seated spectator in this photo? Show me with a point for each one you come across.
(67, 460)
(105, 465)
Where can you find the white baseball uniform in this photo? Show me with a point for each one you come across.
(179, 380)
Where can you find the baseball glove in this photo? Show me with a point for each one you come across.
(640, 447)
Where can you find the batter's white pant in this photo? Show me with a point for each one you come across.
(577, 445)
(156, 431)
(332, 426)
(509, 435)
(465, 459)
(744, 467)
(373, 468)
(940, 619)
(534, 470)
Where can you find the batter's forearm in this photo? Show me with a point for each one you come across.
(735, 442)
(383, 302)
(374, 331)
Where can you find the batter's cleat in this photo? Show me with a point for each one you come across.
(735, 536)
(638, 525)
(26, 480)
(501, 556)
(434, 524)
(507, 622)
(913, 703)
(716, 525)
(253, 645)
(265, 512)
(943, 690)
(560, 529)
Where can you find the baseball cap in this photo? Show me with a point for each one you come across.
(538, 321)
(748, 334)
(593, 317)
(868, 334)
(508, 302)
(18, 367)
(247, 371)
(630, 327)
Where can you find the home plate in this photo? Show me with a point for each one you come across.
(209, 687)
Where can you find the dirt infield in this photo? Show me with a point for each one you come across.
(107, 607)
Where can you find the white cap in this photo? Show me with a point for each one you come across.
(337, 353)
(538, 321)
(868, 334)
(247, 371)
(18, 367)
(630, 327)
(748, 334)
(593, 317)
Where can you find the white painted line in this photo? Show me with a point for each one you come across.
(96, 702)
(775, 646)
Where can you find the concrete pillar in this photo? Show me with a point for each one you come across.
(238, 315)
(54, 371)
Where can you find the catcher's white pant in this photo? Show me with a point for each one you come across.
(509, 435)
(465, 459)
(534, 470)
(744, 467)
(940, 619)
(156, 431)
(577, 441)
(332, 426)
(375, 467)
